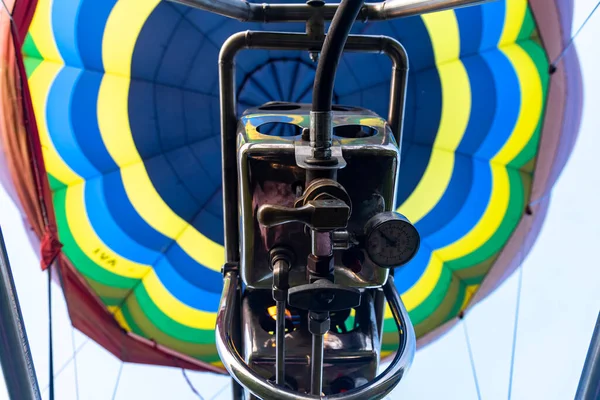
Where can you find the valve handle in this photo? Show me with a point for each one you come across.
(323, 296)
(320, 215)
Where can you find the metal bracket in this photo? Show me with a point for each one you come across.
(380, 387)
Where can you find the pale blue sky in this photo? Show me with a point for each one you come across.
(559, 304)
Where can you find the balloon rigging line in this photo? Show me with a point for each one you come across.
(8, 12)
(118, 381)
(66, 364)
(471, 358)
(50, 344)
(571, 41)
(516, 324)
(192, 388)
(75, 362)
(214, 396)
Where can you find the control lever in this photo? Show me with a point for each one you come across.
(323, 296)
(320, 215)
(320, 298)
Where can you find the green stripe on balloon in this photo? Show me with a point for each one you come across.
(167, 324)
(146, 327)
(80, 260)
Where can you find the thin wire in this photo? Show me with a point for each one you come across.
(8, 12)
(75, 362)
(50, 341)
(193, 389)
(562, 53)
(66, 364)
(516, 326)
(118, 380)
(214, 396)
(471, 358)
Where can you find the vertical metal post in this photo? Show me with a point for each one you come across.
(15, 356)
(589, 384)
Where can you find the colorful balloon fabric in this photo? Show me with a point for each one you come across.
(126, 103)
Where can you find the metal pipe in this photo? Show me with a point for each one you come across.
(290, 41)
(316, 365)
(245, 11)
(280, 344)
(281, 268)
(589, 384)
(15, 355)
(228, 152)
(331, 53)
(376, 389)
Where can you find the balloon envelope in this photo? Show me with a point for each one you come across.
(124, 96)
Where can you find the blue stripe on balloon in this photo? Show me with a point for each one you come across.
(406, 276)
(189, 294)
(412, 166)
(90, 31)
(132, 243)
(59, 123)
(471, 211)
(109, 231)
(84, 118)
(453, 198)
(190, 270)
(210, 220)
(127, 217)
(470, 25)
(493, 23)
(483, 104)
(508, 103)
(419, 134)
(64, 23)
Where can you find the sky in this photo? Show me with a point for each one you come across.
(558, 309)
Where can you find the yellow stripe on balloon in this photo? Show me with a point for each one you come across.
(456, 109)
(40, 83)
(42, 33)
(445, 35)
(118, 315)
(532, 103)
(470, 290)
(488, 223)
(121, 32)
(513, 21)
(524, 128)
(174, 308)
(113, 120)
(151, 207)
(425, 285)
(89, 242)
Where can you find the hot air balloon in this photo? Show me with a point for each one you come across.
(110, 137)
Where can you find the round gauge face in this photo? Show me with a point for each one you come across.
(392, 242)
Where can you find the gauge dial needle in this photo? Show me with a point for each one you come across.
(389, 240)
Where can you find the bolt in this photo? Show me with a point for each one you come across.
(325, 297)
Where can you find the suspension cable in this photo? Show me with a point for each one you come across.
(50, 341)
(114, 396)
(516, 324)
(192, 388)
(74, 355)
(471, 358)
(554, 63)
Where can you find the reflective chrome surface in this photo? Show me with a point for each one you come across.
(354, 354)
(255, 383)
(259, 170)
(268, 173)
(264, 12)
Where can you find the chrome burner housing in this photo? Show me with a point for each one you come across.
(271, 171)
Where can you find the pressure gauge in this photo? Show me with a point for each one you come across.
(391, 240)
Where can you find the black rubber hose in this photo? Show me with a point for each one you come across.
(332, 51)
